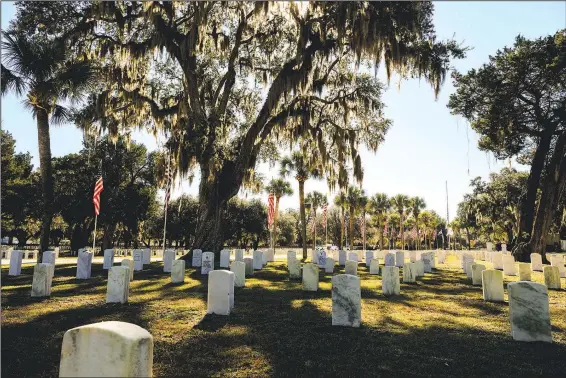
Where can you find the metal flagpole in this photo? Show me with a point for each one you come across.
(94, 236)
(167, 184)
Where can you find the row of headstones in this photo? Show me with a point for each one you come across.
(393, 258)
(28, 254)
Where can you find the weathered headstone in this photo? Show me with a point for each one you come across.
(197, 258)
(225, 258)
(374, 266)
(258, 259)
(489, 246)
(352, 256)
(536, 262)
(524, 271)
(138, 259)
(168, 257)
(15, 263)
(342, 258)
(130, 264)
(84, 264)
(268, 255)
(419, 264)
(346, 300)
(329, 265)
(390, 280)
(389, 259)
(410, 272)
(529, 311)
(468, 269)
(321, 259)
(42, 279)
(239, 255)
(492, 285)
(503, 247)
(552, 277)
(239, 270)
(118, 288)
(509, 265)
(351, 267)
(207, 263)
(294, 267)
(441, 256)
(249, 266)
(427, 258)
(497, 260)
(178, 271)
(146, 256)
(220, 291)
(399, 259)
(291, 254)
(412, 256)
(49, 258)
(108, 259)
(107, 349)
(369, 256)
(558, 261)
(310, 277)
(477, 270)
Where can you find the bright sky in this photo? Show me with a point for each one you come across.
(426, 145)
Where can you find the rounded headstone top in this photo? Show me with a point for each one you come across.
(126, 330)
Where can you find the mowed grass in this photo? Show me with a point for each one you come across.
(437, 327)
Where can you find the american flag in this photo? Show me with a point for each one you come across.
(98, 188)
(270, 210)
(167, 184)
(324, 210)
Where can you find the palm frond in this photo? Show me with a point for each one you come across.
(60, 115)
(11, 82)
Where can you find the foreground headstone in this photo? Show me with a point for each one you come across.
(224, 258)
(84, 264)
(524, 271)
(138, 259)
(178, 271)
(389, 259)
(42, 278)
(258, 259)
(329, 265)
(390, 280)
(15, 263)
(509, 265)
(249, 266)
(130, 264)
(410, 273)
(107, 349)
(536, 262)
(197, 258)
(399, 259)
(207, 263)
(220, 291)
(239, 270)
(108, 259)
(168, 257)
(118, 288)
(346, 300)
(239, 255)
(492, 285)
(369, 256)
(310, 277)
(529, 312)
(351, 267)
(49, 258)
(497, 260)
(341, 258)
(552, 277)
(477, 270)
(146, 256)
(558, 261)
(374, 266)
(294, 267)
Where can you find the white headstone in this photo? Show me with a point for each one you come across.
(225, 258)
(412, 256)
(426, 258)
(529, 312)
(130, 264)
(310, 277)
(42, 278)
(239, 269)
(509, 265)
(138, 259)
(351, 267)
(399, 259)
(489, 246)
(390, 280)
(503, 247)
(258, 259)
(197, 258)
(178, 271)
(374, 266)
(294, 267)
(239, 255)
(497, 260)
(207, 263)
(477, 270)
(352, 256)
(321, 259)
(15, 263)
(558, 261)
(49, 258)
(410, 272)
(84, 264)
(329, 265)
(346, 300)
(492, 285)
(268, 255)
(108, 259)
(107, 349)
(118, 288)
(249, 266)
(389, 259)
(420, 268)
(552, 277)
(146, 256)
(369, 257)
(220, 291)
(168, 257)
(524, 271)
(342, 258)
(291, 254)
(536, 262)
(468, 269)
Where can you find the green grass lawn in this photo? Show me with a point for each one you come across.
(437, 327)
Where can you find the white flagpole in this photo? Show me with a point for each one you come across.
(94, 236)
(167, 204)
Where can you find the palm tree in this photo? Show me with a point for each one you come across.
(341, 201)
(417, 204)
(354, 201)
(317, 200)
(279, 187)
(401, 202)
(380, 204)
(304, 167)
(47, 73)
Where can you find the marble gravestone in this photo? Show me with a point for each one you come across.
(497, 260)
(399, 259)
(220, 299)
(558, 261)
(239, 255)
(509, 265)
(551, 277)
(321, 259)
(294, 267)
(249, 266)
(346, 301)
(49, 258)
(118, 288)
(168, 257)
(329, 265)
(536, 262)
(310, 277)
(342, 258)
(268, 255)
(477, 270)
(225, 258)
(529, 311)
(130, 264)
(207, 263)
(369, 257)
(468, 269)
(290, 255)
(524, 271)
(374, 266)
(352, 256)
(138, 259)
(197, 258)
(42, 279)
(351, 267)
(410, 272)
(492, 285)
(389, 259)
(239, 270)
(441, 255)
(84, 264)
(503, 247)
(178, 271)
(15, 268)
(390, 281)
(107, 349)
(420, 268)
(146, 256)
(427, 258)
(412, 256)
(108, 259)
(258, 260)
(489, 246)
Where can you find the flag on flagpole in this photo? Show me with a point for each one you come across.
(98, 187)
(270, 210)
(324, 219)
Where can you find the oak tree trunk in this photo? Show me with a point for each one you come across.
(44, 144)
